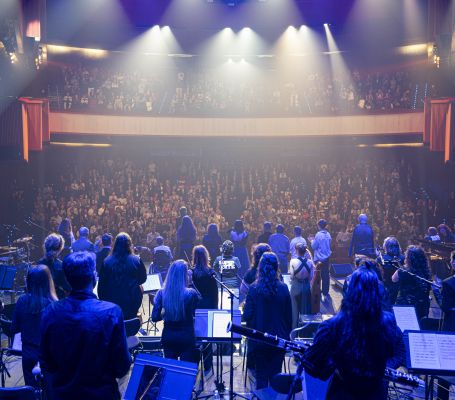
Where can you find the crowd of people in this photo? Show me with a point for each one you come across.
(114, 195)
(83, 87)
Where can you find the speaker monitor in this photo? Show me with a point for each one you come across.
(161, 379)
(340, 270)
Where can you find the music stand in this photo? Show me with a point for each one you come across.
(153, 283)
(7, 275)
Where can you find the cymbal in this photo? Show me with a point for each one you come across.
(8, 248)
(24, 239)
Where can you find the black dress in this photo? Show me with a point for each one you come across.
(414, 292)
(178, 339)
(62, 287)
(120, 281)
(207, 287)
(271, 314)
(28, 324)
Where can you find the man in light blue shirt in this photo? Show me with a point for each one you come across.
(321, 244)
(280, 245)
(295, 240)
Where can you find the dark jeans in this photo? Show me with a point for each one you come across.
(29, 360)
(269, 361)
(300, 299)
(180, 343)
(325, 276)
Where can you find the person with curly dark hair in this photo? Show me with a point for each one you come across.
(357, 344)
(412, 290)
(268, 309)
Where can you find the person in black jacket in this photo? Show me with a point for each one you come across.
(53, 246)
(268, 309)
(212, 241)
(106, 241)
(176, 305)
(357, 344)
(121, 277)
(27, 316)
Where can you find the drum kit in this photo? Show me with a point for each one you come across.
(14, 264)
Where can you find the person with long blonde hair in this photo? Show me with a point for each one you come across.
(176, 303)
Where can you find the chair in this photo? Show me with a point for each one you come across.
(132, 327)
(161, 262)
(18, 393)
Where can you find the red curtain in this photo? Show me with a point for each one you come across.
(46, 131)
(440, 120)
(427, 126)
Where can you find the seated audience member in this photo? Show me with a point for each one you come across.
(27, 316)
(432, 235)
(121, 277)
(268, 309)
(83, 243)
(446, 234)
(162, 257)
(280, 245)
(356, 344)
(176, 305)
(53, 246)
(83, 343)
(106, 241)
(413, 291)
(302, 271)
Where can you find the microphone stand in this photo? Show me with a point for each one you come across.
(231, 296)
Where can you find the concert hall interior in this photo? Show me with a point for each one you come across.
(222, 199)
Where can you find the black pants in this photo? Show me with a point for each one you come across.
(180, 343)
(29, 360)
(269, 361)
(325, 276)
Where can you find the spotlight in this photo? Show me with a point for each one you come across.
(242, 61)
(230, 61)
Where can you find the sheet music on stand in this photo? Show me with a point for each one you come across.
(430, 353)
(406, 318)
(153, 283)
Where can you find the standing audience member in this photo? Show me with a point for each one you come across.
(302, 271)
(357, 344)
(186, 236)
(239, 237)
(413, 291)
(27, 316)
(362, 241)
(121, 277)
(176, 305)
(296, 239)
(212, 241)
(53, 246)
(280, 245)
(321, 244)
(106, 241)
(268, 309)
(83, 343)
(83, 243)
(267, 232)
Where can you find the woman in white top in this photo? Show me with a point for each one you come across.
(302, 271)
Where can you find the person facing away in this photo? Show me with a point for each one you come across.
(268, 309)
(267, 232)
(228, 265)
(212, 241)
(357, 344)
(432, 235)
(280, 245)
(175, 303)
(302, 271)
(186, 236)
(321, 244)
(40, 293)
(239, 237)
(202, 277)
(296, 239)
(162, 257)
(83, 342)
(66, 231)
(362, 241)
(83, 243)
(121, 277)
(53, 246)
(101, 255)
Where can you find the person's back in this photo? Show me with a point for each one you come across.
(83, 243)
(362, 238)
(83, 342)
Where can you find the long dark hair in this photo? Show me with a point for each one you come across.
(174, 289)
(392, 246)
(238, 226)
(212, 231)
(361, 318)
(123, 245)
(417, 261)
(201, 258)
(40, 288)
(259, 250)
(267, 277)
